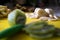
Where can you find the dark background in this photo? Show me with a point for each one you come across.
(36, 3)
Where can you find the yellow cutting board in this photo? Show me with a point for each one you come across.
(22, 36)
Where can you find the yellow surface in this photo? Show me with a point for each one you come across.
(4, 24)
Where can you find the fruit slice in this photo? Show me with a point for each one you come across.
(16, 17)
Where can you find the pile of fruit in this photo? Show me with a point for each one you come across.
(25, 8)
(38, 29)
(41, 29)
(43, 14)
(4, 11)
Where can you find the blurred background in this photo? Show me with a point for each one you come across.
(35, 3)
(30, 5)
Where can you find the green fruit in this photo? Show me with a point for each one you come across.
(16, 17)
(41, 36)
(41, 28)
(11, 31)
